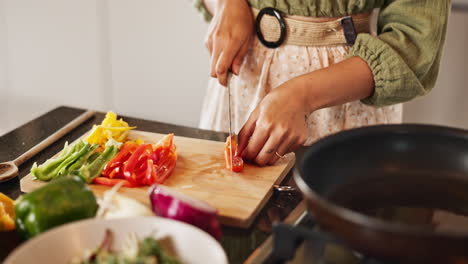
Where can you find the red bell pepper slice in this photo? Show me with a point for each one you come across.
(111, 182)
(149, 173)
(167, 141)
(164, 158)
(165, 167)
(135, 164)
(142, 152)
(115, 173)
(163, 148)
(237, 162)
(125, 151)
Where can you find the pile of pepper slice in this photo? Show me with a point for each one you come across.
(81, 159)
(140, 164)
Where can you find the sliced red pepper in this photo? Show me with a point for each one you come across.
(149, 173)
(144, 164)
(156, 156)
(166, 161)
(116, 173)
(144, 150)
(162, 148)
(136, 161)
(125, 151)
(237, 162)
(111, 182)
(167, 141)
(165, 167)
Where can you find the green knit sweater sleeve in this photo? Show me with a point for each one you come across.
(200, 6)
(405, 56)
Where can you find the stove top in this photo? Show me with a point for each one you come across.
(305, 243)
(298, 240)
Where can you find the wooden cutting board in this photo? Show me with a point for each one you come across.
(200, 173)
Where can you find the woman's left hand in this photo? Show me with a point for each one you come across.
(277, 126)
(279, 123)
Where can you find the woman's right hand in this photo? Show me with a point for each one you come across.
(229, 37)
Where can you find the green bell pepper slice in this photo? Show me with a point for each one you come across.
(93, 169)
(62, 168)
(82, 159)
(45, 172)
(69, 160)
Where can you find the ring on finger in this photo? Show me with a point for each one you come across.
(279, 155)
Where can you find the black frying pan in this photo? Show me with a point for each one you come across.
(376, 189)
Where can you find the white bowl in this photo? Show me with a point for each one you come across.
(61, 244)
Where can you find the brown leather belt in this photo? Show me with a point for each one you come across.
(274, 29)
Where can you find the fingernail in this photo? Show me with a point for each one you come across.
(236, 69)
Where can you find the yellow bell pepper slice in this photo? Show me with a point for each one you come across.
(110, 128)
(7, 213)
(138, 141)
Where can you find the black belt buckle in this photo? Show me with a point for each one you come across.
(272, 12)
(349, 30)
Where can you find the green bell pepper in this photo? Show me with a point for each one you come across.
(63, 200)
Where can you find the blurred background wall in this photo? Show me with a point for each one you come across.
(146, 59)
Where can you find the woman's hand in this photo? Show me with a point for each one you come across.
(277, 126)
(229, 37)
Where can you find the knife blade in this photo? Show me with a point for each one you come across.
(228, 86)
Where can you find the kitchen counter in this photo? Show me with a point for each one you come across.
(239, 244)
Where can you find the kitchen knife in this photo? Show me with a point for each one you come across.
(228, 86)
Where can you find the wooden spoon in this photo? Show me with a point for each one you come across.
(9, 169)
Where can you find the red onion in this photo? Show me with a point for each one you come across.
(175, 205)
